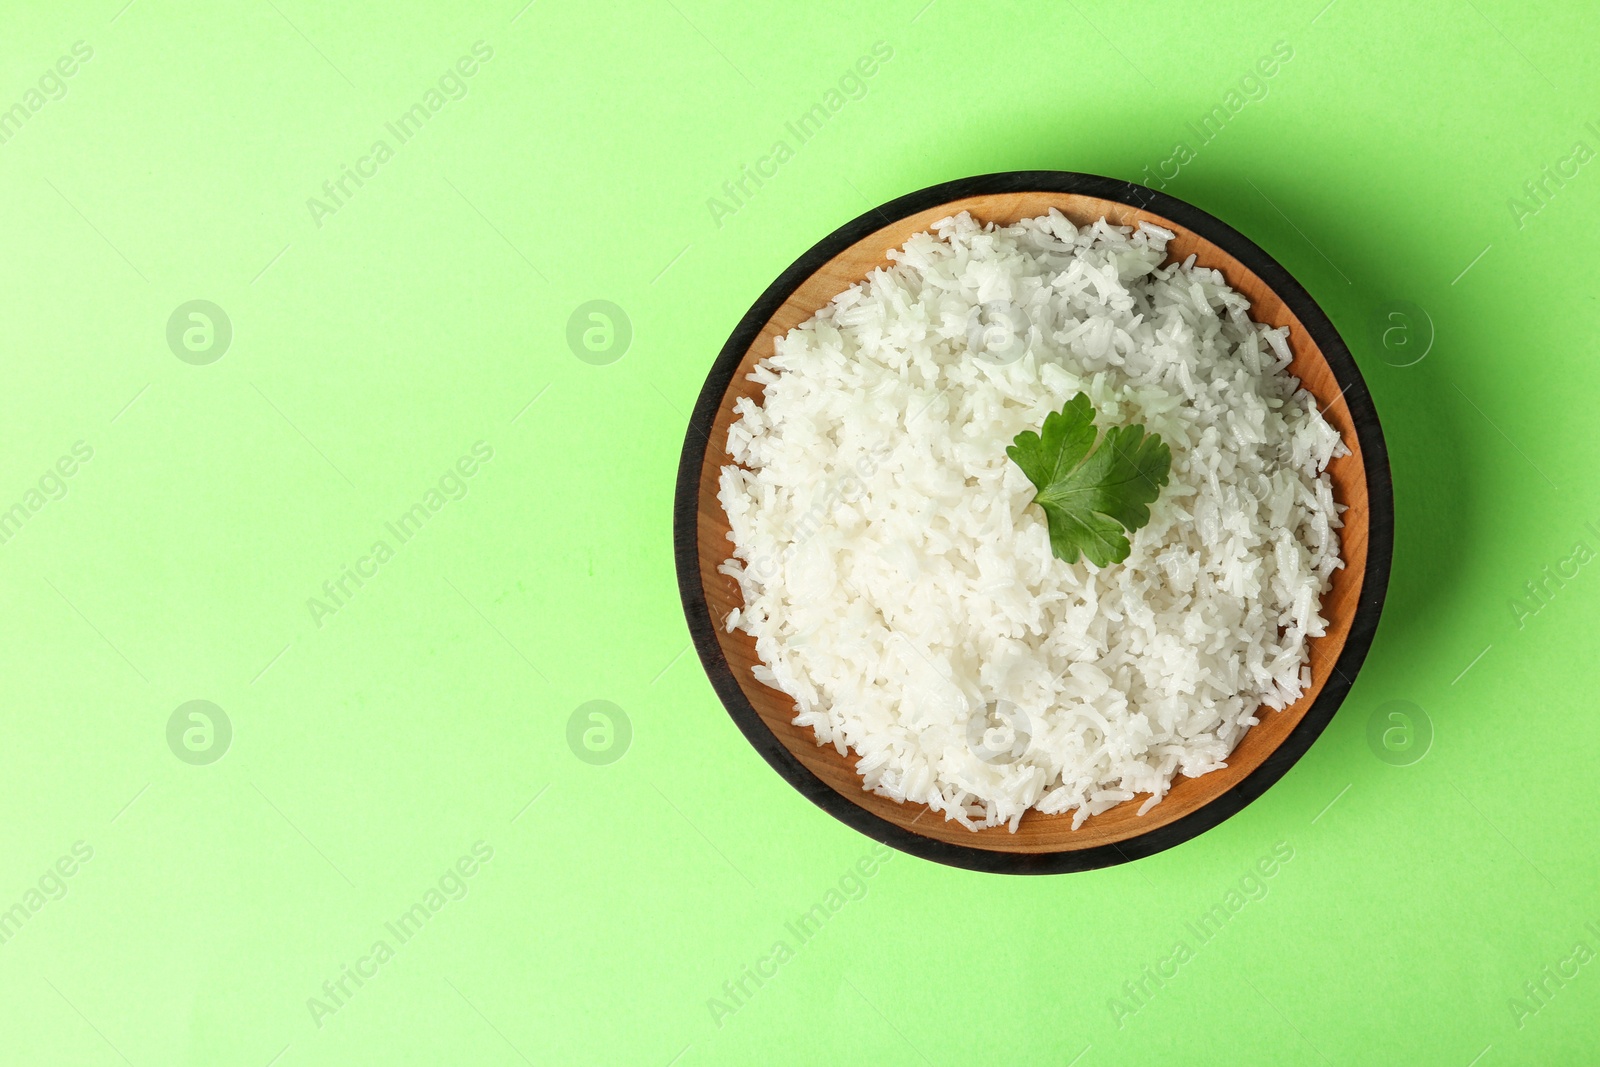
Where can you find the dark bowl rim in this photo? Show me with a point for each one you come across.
(1375, 582)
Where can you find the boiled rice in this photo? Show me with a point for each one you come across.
(901, 589)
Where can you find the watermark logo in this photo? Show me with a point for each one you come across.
(599, 733)
(199, 332)
(1399, 733)
(999, 333)
(599, 332)
(1402, 333)
(999, 733)
(1258, 486)
(199, 733)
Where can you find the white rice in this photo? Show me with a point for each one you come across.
(900, 587)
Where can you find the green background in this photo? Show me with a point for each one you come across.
(374, 344)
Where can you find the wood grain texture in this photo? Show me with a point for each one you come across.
(1037, 833)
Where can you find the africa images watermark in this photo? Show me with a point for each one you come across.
(1137, 992)
(52, 86)
(51, 885)
(846, 489)
(452, 885)
(1538, 991)
(338, 591)
(452, 85)
(852, 85)
(1553, 578)
(737, 991)
(1536, 193)
(52, 485)
(1251, 88)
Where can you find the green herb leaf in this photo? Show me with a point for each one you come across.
(1090, 499)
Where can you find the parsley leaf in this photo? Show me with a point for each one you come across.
(1089, 500)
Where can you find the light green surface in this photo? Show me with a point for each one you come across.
(371, 753)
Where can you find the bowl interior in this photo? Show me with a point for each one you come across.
(1037, 833)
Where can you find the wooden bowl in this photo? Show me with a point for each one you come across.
(1042, 843)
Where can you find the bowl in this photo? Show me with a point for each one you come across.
(1042, 843)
